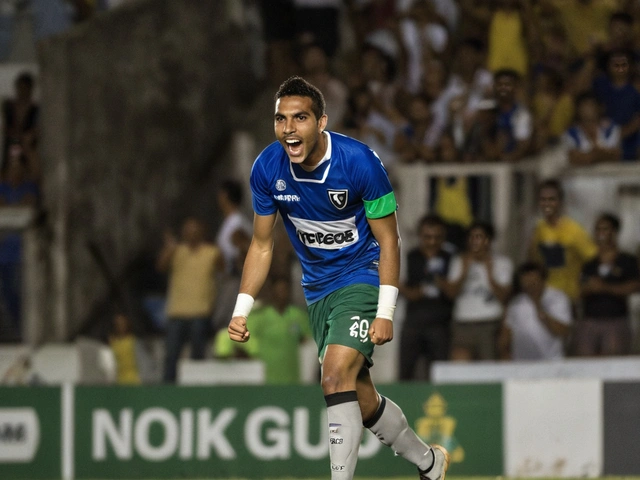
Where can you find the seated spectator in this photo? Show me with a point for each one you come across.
(479, 281)
(559, 243)
(192, 264)
(515, 124)
(277, 329)
(123, 345)
(607, 281)
(592, 139)
(537, 319)
(621, 101)
(16, 189)
(20, 117)
(426, 331)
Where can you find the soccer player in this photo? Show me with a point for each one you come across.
(339, 210)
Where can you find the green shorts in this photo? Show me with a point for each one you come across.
(344, 317)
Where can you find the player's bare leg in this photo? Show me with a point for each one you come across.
(340, 368)
(386, 420)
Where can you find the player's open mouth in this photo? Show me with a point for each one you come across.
(294, 147)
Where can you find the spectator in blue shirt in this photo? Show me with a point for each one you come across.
(621, 101)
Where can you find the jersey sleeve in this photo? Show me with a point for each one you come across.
(585, 246)
(263, 203)
(372, 181)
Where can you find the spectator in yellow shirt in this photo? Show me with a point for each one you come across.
(560, 243)
(192, 264)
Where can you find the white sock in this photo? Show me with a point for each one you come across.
(390, 426)
(345, 433)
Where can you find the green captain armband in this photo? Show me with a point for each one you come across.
(381, 207)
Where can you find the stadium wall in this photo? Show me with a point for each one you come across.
(559, 428)
(138, 108)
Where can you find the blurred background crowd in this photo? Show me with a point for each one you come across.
(421, 82)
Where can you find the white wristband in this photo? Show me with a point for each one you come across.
(244, 303)
(387, 297)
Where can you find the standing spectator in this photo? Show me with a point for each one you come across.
(233, 237)
(423, 37)
(441, 90)
(317, 21)
(368, 124)
(592, 139)
(621, 101)
(277, 329)
(537, 320)
(480, 283)
(559, 243)
(16, 188)
(509, 37)
(123, 343)
(235, 224)
(315, 66)
(410, 141)
(607, 281)
(20, 117)
(192, 264)
(515, 124)
(474, 81)
(452, 195)
(552, 107)
(585, 21)
(426, 332)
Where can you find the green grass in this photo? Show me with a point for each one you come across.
(448, 478)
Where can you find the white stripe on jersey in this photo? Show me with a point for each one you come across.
(332, 235)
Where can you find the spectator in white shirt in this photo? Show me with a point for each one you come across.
(479, 281)
(592, 139)
(538, 318)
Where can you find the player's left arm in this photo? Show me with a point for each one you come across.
(385, 230)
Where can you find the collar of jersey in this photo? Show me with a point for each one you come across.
(318, 174)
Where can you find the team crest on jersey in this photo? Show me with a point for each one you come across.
(281, 185)
(338, 198)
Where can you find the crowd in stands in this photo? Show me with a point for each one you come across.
(461, 81)
(429, 81)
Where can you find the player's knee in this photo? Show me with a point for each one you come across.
(334, 380)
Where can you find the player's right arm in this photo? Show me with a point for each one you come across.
(254, 273)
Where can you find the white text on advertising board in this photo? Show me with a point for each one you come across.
(19, 435)
(268, 433)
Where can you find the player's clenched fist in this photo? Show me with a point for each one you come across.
(381, 331)
(238, 329)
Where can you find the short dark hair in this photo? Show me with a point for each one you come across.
(507, 72)
(298, 87)
(25, 78)
(552, 183)
(486, 227)
(432, 220)
(528, 267)
(613, 220)
(621, 17)
(233, 190)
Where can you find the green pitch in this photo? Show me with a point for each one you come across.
(453, 478)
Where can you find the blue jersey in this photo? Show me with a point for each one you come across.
(325, 211)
